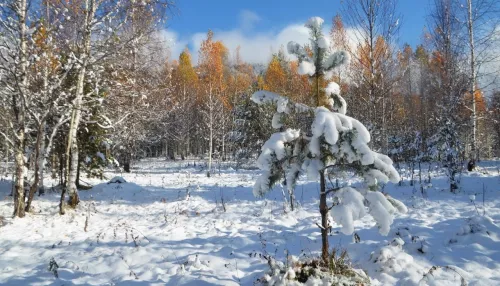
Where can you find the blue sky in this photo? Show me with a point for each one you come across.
(261, 27)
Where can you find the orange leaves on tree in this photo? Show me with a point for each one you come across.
(241, 76)
(184, 76)
(42, 47)
(211, 61)
(185, 71)
(212, 65)
(369, 62)
(338, 34)
(300, 87)
(480, 103)
(275, 77)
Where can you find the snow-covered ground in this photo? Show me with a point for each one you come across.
(167, 225)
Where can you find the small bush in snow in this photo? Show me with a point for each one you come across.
(314, 271)
(476, 224)
(429, 277)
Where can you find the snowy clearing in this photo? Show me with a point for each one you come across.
(165, 223)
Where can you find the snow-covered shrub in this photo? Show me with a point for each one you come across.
(412, 242)
(476, 224)
(94, 149)
(193, 264)
(445, 275)
(331, 139)
(313, 272)
(253, 126)
(446, 147)
(407, 148)
(392, 258)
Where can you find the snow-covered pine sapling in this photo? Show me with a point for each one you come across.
(446, 146)
(331, 139)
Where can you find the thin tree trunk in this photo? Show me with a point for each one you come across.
(68, 168)
(470, 26)
(19, 209)
(38, 157)
(6, 169)
(61, 170)
(72, 148)
(323, 209)
(20, 112)
(223, 151)
(78, 169)
(211, 130)
(41, 167)
(40, 151)
(126, 162)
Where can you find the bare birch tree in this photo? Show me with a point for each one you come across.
(14, 37)
(376, 24)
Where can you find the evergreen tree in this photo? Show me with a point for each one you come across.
(252, 125)
(332, 140)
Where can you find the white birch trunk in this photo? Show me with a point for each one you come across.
(6, 168)
(211, 129)
(470, 26)
(20, 114)
(72, 145)
(41, 163)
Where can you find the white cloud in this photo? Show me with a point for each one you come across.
(255, 47)
(248, 19)
(171, 40)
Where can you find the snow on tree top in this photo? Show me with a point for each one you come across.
(320, 45)
(314, 23)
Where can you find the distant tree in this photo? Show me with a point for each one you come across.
(482, 25)
(213, 55)
(376, 23)
(494, 118)
(185, 81)
(14, 89)
(449, 85)
(340, 41)
(275, 76)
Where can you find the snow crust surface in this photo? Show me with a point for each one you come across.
(166, 226)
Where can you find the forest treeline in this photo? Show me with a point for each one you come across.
(86, 84)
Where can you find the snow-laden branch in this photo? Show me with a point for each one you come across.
(110, 124)
(7, 138)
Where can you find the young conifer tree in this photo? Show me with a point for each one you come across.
(330, 140)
